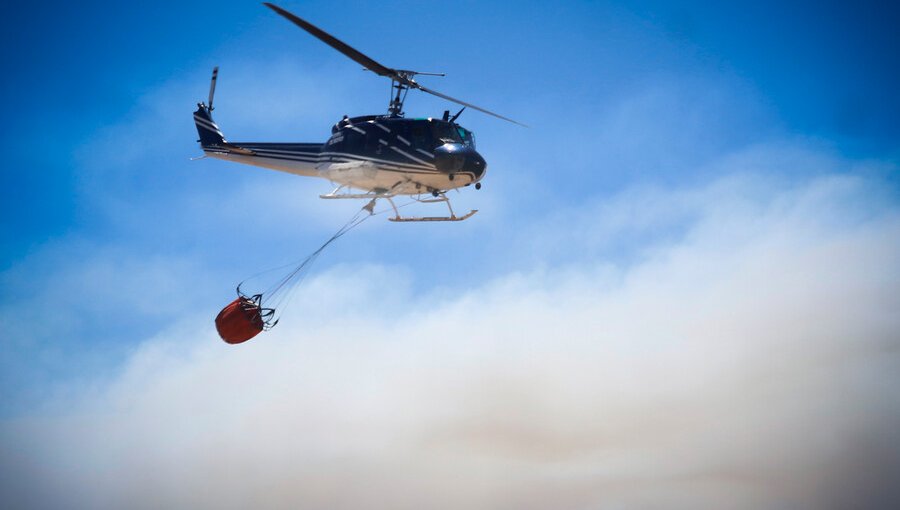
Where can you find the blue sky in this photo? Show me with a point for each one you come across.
(670, 147)
(821, 70)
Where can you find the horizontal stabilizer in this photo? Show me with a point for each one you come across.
(237, 149)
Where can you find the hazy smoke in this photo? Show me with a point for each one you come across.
(750, 361)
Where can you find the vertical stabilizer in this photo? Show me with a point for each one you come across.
(209, 132)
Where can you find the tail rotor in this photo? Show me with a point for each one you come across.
(210, 134)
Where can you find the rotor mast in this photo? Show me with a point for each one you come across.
(395, 107)
(402, 82)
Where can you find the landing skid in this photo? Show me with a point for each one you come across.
(340, 192)
(452, 217)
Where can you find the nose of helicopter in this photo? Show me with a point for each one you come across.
(459, 158)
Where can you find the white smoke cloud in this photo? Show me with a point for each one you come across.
(747, 360)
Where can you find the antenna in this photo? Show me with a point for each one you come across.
(212, 86)
(453, 119)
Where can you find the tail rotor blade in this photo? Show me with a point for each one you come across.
(212, 87)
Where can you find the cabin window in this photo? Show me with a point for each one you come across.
(372, 144)
(420, 135)
(354, 141)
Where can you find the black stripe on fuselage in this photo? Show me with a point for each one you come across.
(381, 166)
(380, 154)
(350, 159)
(312, 153)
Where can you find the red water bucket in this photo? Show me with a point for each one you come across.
(240, 321)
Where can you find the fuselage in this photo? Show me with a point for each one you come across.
(379, 154)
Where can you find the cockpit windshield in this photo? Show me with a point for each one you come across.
(445, 131)
(451, 132)
(467, 136)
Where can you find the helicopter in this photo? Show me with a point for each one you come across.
(372, 156)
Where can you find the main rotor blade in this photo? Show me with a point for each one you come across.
(470, 105)
(336, 43)
(403, 77)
